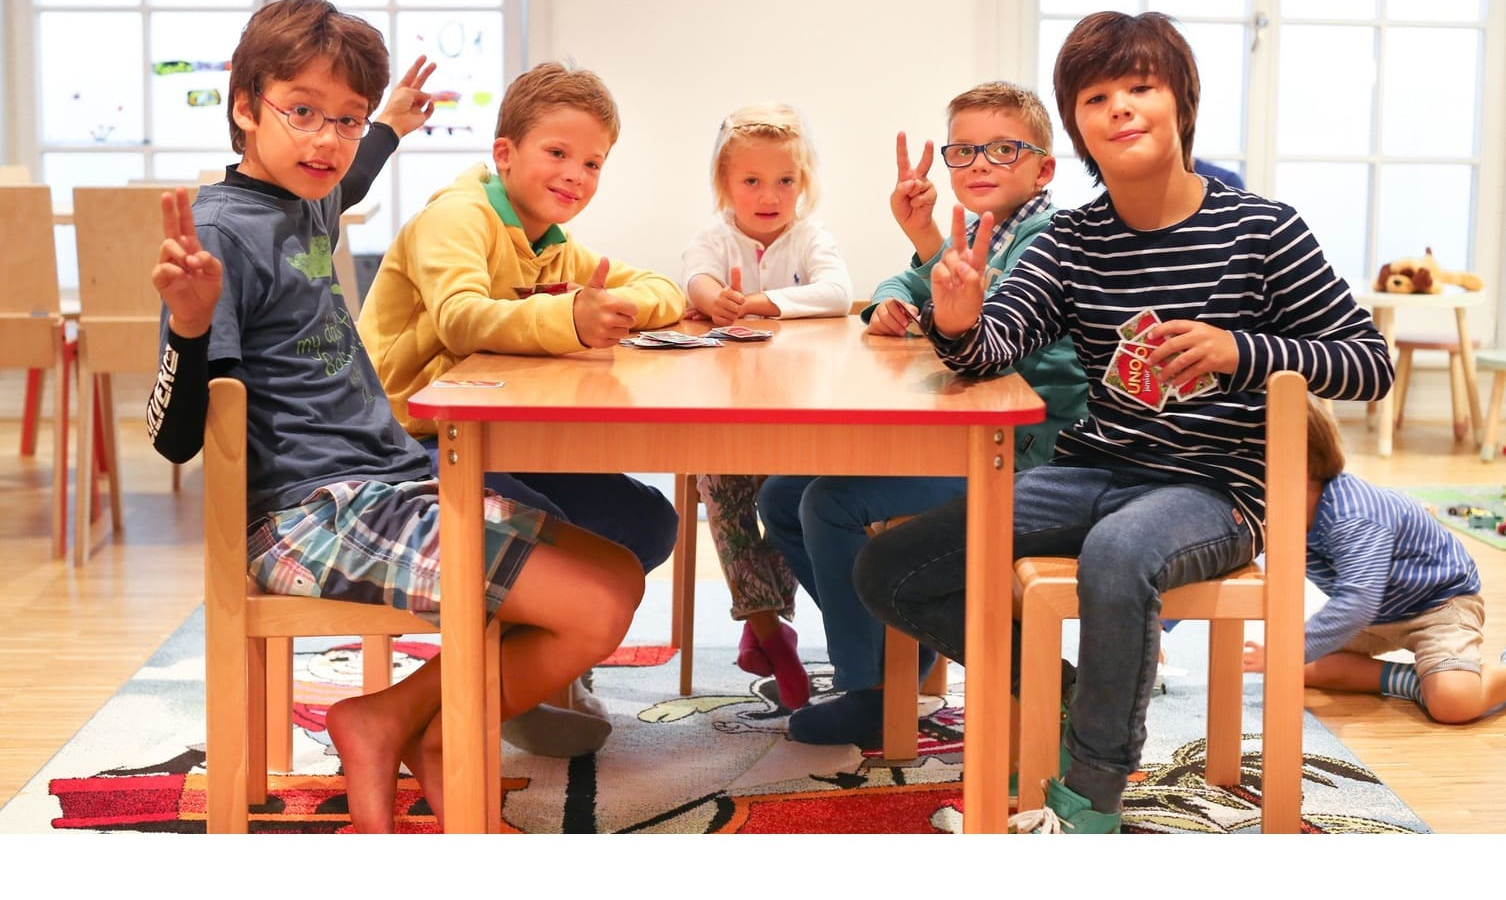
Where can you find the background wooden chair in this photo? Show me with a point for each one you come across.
(1045, 593)
(33, 335)
(1406, 346)
(119, 232)
(248, 638)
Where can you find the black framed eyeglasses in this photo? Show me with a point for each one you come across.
(305, 118)
(1000, 153)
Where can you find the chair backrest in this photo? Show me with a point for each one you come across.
(211, 176)
(1286, 514)
(13, 174)
(29, 301)
(119, 232)
(225, 485)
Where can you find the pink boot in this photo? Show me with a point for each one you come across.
(794, 684)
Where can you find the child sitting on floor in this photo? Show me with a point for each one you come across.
(1396, 579)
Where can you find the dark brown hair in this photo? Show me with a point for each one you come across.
(283, 38)
(1110, 45)
(1001, 96)
(1325, 452)
(549, 86)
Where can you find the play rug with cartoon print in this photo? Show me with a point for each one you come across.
(1472, 509)
(717, 761)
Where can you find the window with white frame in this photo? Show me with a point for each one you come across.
(138, 90)
(1373, 113)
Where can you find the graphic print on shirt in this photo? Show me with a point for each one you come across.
(337, 342)
(318, 262)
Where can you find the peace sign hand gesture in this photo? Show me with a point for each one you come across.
(186, 275)
(957, 280)
(913, 201)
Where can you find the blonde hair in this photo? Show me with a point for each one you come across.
(773, 122)
(551, 85)
(1001, 96)
(1325, 452)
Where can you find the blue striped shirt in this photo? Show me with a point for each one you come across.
(1380, 557)
(1242, 263)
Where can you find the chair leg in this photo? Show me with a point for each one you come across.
(83, 467)
(1040, 699)
(60, 449)
(1403, 378)
(226, 711)
(492, 659)
(376, 662)
(682, 625)
(1225, 700)
(258, 692)
(111, 452)
(901, 691)
(1489, 449)
(1459, 394)
(279, 704)
(935, 684)
(31, 411)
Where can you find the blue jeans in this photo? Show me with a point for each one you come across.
(818, 524)
(621, 509)
(1135, 534)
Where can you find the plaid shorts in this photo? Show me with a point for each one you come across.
(372, 542)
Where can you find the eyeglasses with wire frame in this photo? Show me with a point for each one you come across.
(305, 118)
(1000, 153)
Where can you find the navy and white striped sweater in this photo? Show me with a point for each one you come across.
(1242, 263)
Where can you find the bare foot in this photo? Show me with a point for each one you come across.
(368, 743)
(423, 758)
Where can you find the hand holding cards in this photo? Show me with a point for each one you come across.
(1129, 372)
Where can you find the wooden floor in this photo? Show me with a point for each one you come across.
(71, 636)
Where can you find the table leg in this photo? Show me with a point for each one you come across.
(462, 627)
(990, 647)
(1471, 381)
(1385, 321)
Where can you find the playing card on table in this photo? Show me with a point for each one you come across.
(1129, 374)
(739, 333)
(669, 340)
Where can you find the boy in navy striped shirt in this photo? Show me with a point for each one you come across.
(1396, 579)
(1207, 287)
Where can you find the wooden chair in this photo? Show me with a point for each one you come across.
(1406, 346)
(33, 335)
(119, 232)
(248, 638)
(1045, 593)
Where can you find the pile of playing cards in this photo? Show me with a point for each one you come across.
(668, 340)
(1130, 374)
(739, 333)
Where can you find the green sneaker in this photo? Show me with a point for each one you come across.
(1066, 812)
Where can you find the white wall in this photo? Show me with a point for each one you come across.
(858, 70)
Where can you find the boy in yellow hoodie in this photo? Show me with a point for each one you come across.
(485, 265)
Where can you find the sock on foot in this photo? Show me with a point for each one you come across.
(856, 717)
(560, 733)
(789, 673)
(1400, 680)
(750, 656)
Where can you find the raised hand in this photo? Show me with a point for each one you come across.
(409, 106)
(186, 275)
(890, 318)
(913, 201)
(602, 318)
(957, 280)
(728, 305)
